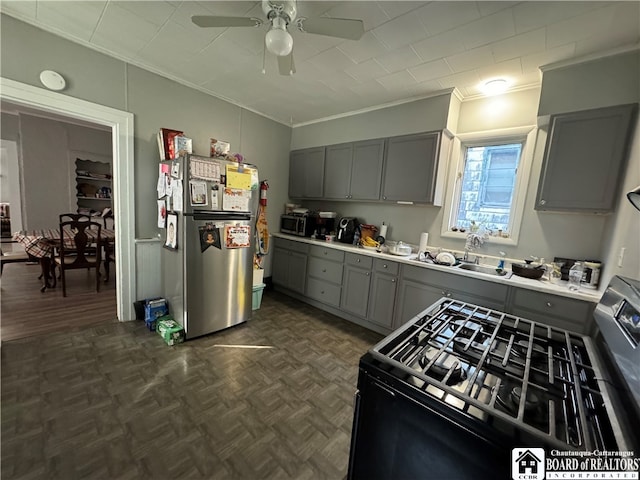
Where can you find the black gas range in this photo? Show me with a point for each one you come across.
(453, 391)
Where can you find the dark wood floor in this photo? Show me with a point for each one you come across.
(114, 401)
(25, 311)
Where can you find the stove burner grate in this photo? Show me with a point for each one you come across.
(486, 359)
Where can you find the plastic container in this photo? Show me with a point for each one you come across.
(575, 276)
(257, 296)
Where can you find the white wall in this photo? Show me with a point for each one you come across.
(48, 149)
(623, 229)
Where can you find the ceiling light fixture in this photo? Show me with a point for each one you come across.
(278, 40)
(634, 197)
(495, 86)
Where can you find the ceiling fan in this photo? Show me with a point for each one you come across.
(281, 14)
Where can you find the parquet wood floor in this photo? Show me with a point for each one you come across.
(25, 311)
(113, 401)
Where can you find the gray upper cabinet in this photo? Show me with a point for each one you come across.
(306, 173)
(411, 163)
(353, 171)
(584, 159)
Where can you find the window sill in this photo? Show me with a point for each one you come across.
(494, 240)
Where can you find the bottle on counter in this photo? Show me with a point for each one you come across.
(575, 276)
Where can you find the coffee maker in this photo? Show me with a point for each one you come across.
(326, 223)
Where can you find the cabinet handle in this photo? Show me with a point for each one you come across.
(446, 294)
(384, 198)
(346, 196)
(542, 202)
(549, 304)
(368, 274)
(384, 265)
(357, 260)
(393, 280)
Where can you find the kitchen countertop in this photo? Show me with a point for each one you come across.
(539, 285)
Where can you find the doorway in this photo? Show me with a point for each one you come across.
(121, 125)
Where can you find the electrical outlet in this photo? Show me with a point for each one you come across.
(621, 256)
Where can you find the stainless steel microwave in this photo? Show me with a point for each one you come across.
(301, 225)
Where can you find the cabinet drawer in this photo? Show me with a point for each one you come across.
(328, 253)
(292, 245)
(323, 291)
(362, 261)
(544, 304)
(386, 266)
(325, 270)
(452, 283)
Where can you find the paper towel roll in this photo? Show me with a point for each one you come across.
(383, 230)
(424, 239)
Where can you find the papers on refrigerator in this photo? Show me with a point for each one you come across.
(198, 192)
(176, 192)
(237, 236)
(236, 199)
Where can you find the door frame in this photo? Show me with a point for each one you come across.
(121, 124)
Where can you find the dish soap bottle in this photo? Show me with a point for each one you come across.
(575, 276)
(501, 262)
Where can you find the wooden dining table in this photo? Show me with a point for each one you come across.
(41, 243)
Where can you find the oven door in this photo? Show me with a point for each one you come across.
(397, 436)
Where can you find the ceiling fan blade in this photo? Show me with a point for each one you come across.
(333, 27)
(286, 65)
(222, 22)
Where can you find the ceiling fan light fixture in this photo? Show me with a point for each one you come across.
(278, 40)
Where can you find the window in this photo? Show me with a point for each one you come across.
(488, 183)
(490, 173)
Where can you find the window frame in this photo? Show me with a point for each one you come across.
(526, 135)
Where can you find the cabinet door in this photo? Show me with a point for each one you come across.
(355, 290)
(366, 170)
(413, 298)
(383, 295)
(314, 173)
(296, 173)
(410, 168)
(584, 159)
(297, 271)
(306, 173)
(337, 171)
(280, 267)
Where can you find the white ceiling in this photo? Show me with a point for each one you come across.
(409, 49)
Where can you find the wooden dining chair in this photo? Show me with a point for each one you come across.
(75, 217)
(79, 257)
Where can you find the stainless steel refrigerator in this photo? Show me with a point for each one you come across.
(208, 273)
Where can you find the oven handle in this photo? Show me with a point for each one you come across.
(357, 398)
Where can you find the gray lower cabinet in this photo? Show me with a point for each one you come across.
(306, 173)
(584, 159)
(289, 267)
(324, 281)
(555, 310)
(421, 287)
(382, 296)
(411, 163)
(356, 284)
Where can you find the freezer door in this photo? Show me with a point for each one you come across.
(218, 281)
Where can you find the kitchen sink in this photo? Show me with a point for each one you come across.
(487, 270)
